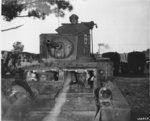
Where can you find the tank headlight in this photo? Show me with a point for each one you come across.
(105, 96)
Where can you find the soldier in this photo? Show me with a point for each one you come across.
(81, 78)
(74, 19)
(20, 80)
(91, 78)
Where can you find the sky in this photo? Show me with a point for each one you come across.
(123, 25)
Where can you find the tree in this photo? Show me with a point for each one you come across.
(17, 47)
(34, 8)
(12, 61)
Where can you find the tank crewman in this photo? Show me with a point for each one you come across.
(74, 19)
(74, 27)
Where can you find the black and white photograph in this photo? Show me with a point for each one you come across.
(75, 60)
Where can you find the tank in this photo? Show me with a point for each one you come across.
(70, 52)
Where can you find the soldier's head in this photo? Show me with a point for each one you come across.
(74, 19)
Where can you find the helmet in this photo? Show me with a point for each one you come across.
(74, 19)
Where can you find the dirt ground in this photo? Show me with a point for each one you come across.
(135, 90)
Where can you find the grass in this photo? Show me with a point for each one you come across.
(137, 93)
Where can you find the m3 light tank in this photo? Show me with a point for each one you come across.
(70, 50)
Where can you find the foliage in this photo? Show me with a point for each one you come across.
(34, 8)
(11, 9)
(18, 47)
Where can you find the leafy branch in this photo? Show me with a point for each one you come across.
(35, 8)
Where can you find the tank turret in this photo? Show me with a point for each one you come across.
(71, 42)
